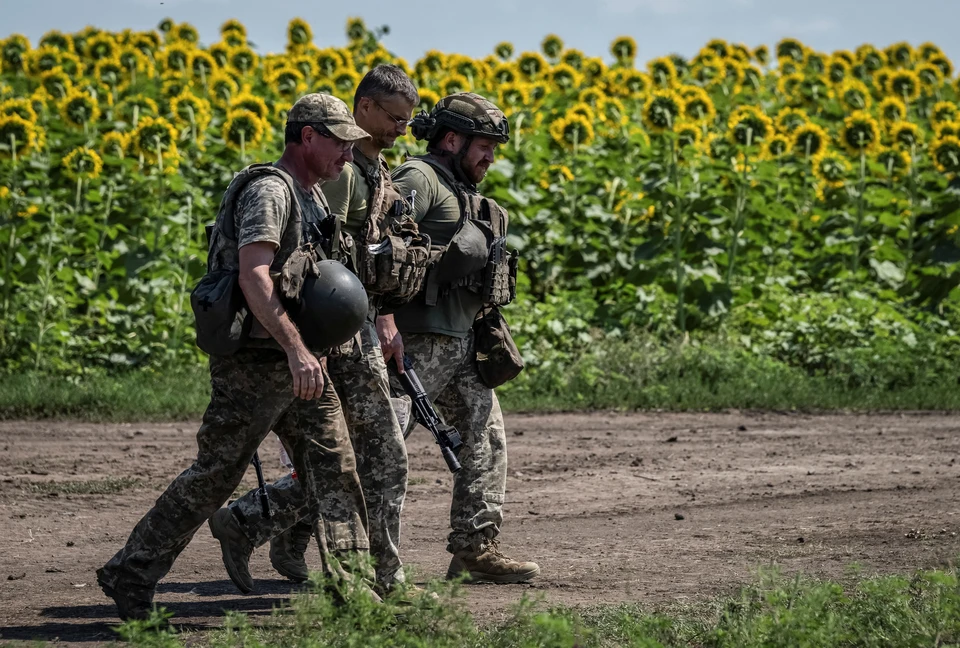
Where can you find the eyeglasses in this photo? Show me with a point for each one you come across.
(342, 145)
(399, 122)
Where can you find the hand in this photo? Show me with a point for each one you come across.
(391, 342)
(307, 373)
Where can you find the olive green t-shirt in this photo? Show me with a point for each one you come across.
(437, 211)
(349, 194)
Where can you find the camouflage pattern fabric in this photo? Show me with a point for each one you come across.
(359, 375)
(251, 393)
(446, 368)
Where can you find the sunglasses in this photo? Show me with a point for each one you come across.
(397, 120)
(342, 145)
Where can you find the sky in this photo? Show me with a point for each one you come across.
(660, 27)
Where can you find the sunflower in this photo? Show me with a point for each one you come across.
(662, 71)
(79, 108)
(135, 62)
(947, 129)
(663, 110)
(551, 46)
(505, 73)
(761, 54)
(428, 99)
(256, 105)
(572, 130)
(613, 113)
(709, 72)
(153, 134)
(838, 69)
(306, 65)
(114, 144)
(688, 135)
(815, 63)
(110, 73)
(906, 135)
(513, 96)
(21, 107)
(203, 65)
(895, 161)
(220, 53)
(854, 95)
(809, 140)
(233, 25)
(101, 46)
(811, 90)
(787, 66)
(299, 35)
(752, 76)
(942, 62)
(146, 42)
(928, 50)
(288, 82)
(356, 29)
(905, 84)
(187, 108)
(594, 68)
(133, 108)
(185, 33)
(574, 58)
(748, 126)
(243, 59)
(17, 135)
(718, 47)
(56, 39)
(698, 106)
(13, 53)
(43, 59)
(943, 111)
(327, 61)
(624, 49)
(172, 85)
(242, 129)
(775, 147)
(872, 58)
(539, 91)
(176, 58)
(791, 48)
(945, 153)
(892, 109)
(82, 163)
(593, 97)
(531, 65)
(830, 168)
(584, 111)
(454, 83)
(900, 55)
(788, 84)
(565, 77)
(503, 50)
(931, 78)
(860, 133)
(222, 88)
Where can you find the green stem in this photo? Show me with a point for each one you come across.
(678, 268)
(739, 211)
(913, 209)
(98, 265)
(46, 286)
(76, 201)
(855, 260)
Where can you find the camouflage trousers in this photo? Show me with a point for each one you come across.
(251, 393)
(445, 366)
(359, 375)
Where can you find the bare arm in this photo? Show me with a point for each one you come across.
(391, 342)
(264, 301)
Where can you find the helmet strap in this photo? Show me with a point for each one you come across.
(457, 159)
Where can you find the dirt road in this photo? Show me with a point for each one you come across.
(649, 507)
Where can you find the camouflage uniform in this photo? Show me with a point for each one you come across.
(360, 377)
(251, 393)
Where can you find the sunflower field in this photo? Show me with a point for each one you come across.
(796, 202)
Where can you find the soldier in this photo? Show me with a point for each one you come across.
(276, 379)
(369, 211)
(436, 329)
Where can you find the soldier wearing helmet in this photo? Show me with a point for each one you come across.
(371, 212)
(436, 330)
(268, 226)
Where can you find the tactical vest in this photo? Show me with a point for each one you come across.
(392, 254)
(476, 258)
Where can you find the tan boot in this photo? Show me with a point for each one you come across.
(235, 548)
(287, 550)
(491, 565)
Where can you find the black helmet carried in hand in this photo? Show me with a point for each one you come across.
(463, 112)
(332, 306)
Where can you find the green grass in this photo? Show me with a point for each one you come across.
(622, 374)
(902, 611)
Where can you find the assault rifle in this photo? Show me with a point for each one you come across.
(424, 413)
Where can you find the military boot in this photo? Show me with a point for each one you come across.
(491, 565)
(287, 550)
(131, 604)
(235, 548)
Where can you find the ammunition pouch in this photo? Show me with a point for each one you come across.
(497, 358)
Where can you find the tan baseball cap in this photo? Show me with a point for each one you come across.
(329, 111)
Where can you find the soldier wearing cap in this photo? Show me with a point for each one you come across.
(270, 214)
(363, 200)
(436, 330)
